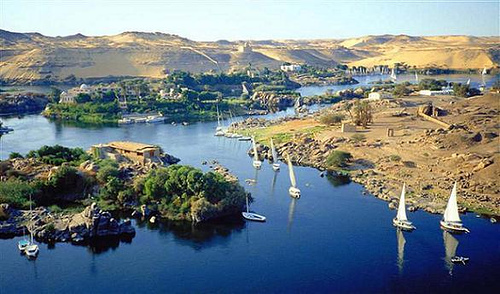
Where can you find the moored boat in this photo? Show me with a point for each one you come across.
(276, 164)
(256, 161)
(251, 215)
(293, 190)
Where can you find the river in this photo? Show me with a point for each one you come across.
(332, 239)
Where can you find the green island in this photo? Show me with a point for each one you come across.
(69, 180)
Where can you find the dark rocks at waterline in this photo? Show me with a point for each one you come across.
(22, 103)
(92, 222)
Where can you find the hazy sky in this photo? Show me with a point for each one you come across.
(251, 19)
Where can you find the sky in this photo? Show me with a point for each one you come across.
(212, 20)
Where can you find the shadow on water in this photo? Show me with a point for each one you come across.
(199, 236)
(338, 180)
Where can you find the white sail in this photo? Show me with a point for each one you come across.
(273, 152)
(468, 82)
(393, 74)
(292, 174)
(416, 77)
(218, 117)
(255, 154)
(484, 72)
(451, 212)
(402, 208)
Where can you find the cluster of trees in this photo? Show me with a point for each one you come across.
(432, 84)
(338, 159)
(90, 112)
(183, 191)
(57, 155)
(361, 112)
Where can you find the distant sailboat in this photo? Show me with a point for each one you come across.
(468, 82)
(416, 77)
(393, 75)
(401, 249)
(451, 219)
(256, 161)
(484, 72)
(276, 165)
(294, 191)
(31, 249)
(401, 221)
(252, 216)
(219, 131)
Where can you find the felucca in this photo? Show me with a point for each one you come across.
(451, 221)
(219, 131)
(256, 162)
(401, 221)
(294, 191)
(276, 165)
(393, 75)
(31, 249)
(252, 216)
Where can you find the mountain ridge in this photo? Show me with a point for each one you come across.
(33, 57)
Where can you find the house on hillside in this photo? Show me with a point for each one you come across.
(374, 96)
(133, 151)
(290, 67)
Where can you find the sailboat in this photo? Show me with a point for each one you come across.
(401, 221)
(219, 131)
(256, 162)
(22, 244)
(252, 216)
(276, 165)
(416, 77)
(451, 220)
(401, 249)
(484, 72)
(294, 191)
(468, 82)
(31, 249)
(393, 75)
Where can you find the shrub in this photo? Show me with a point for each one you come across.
(15, 155)
(106, 173)
(395, 157)
(401, 90)
(358, 138)
(16, 193)
(338, 158)
(331, 119)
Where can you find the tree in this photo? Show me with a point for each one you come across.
(331, 119)
(83, 98)
(54, 95)
(363, 113)
(401, 90)
(338, 158)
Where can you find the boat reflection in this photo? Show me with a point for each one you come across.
(291, 213)
(401, 249)
(450, 247)
(273, 183)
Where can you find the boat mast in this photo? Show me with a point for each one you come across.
(292, 174)
(255, 155)
(247, 204)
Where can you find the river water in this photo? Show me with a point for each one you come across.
(332, 239)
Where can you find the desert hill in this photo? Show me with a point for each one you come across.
(35, 58)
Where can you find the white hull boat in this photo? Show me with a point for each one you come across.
(401, 220)
(451, 221)
(293, 190)
(256, 162)
(32, 250)
(251, 216)
(276, 165)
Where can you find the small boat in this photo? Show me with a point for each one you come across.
(451, 221)
(401, 221)
(125, 121)
(31, 249)
(185, 123)
(251, 182)
(251, 216)
(256, 162)
(245, 139)
(276, 164)
(219, 131)
(140, 120)
(21, 245)
(152, 219)
(155, 119)
(173, 123)
(459, 259)
(493, 220)
(293, 190)
(393, 75)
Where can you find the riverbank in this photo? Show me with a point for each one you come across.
(421, 153)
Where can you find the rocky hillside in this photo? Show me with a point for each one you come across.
(35, 58)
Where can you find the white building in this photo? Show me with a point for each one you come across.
(434, 93)
(290, 67)
(373, 96)
(66, 98)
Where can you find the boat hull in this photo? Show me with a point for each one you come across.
(32, 251)
(294, 192)
(257, 164)
(253, 217)
(457, 228)
(276, 166)
(403, 225)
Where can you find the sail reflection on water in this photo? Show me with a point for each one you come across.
(450, 247)
(401, 249)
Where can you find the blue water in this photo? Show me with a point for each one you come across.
(332, 239)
